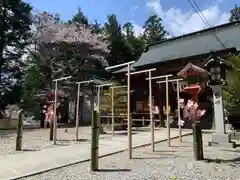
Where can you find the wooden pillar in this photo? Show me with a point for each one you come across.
(113, 111)
(19, 131)
(150, 111)
(51, 130)
(77, 111)
(55, 116)
(178, 110)
(167, 111)
(95, 141)
(129, 117)
(197, 141)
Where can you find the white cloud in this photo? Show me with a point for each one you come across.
(133, 10)
(138, 30)
(178, 22)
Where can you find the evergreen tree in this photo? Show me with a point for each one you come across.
(128, 30)
(154, 30)
(15, 33)
(37, 82)
(79, 18)
(235, 14)
(231, 91)
(120, 50)
(57, 19)
(136, 43)
(96, 27)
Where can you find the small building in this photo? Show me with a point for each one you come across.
(170, 56)
(10, 117)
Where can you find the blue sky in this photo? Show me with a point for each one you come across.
(137, 11)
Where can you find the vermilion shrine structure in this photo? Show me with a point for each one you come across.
(196, 79)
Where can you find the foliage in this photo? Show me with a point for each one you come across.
(61, 50)
(235, 14)
(117, 44)
(136, 43)
(37, 81)
(154, 30)
(77, 47)
(15, 36)
(123, 45)
(38, 74)
(79, 18)
(97, 28)
(231, 91)
(57, 18)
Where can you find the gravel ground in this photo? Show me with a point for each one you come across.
(37, 139)
(164, 164)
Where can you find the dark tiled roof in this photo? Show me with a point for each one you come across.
(192, 44)
(100, 81)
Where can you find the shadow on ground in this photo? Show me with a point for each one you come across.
(114, 170)
(120, 133)
(7, 134)
(30, 150)
(231, 150)
(232, 162)
(141, 130)
(172, 146)
(164, 151)
(59, 144)
(73, 140)
(156, 157)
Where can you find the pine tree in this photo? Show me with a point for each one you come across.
(79, 18)
(96, 26)
(15, 33)
(235, 14)
(57, 19)
(120, 50)
(154, 30)
(136, 43)
(128, 30)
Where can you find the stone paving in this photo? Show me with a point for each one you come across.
(67, 151)
(166, 163)
(37, 139)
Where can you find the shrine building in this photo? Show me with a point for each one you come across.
(170, 57)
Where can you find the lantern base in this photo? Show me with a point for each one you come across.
(221, 140)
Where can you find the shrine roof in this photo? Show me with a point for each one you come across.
(98, 80)
(194, 67)
(193, 44)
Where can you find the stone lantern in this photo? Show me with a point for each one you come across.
(217, 68)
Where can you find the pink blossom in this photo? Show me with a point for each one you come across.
(192, 111)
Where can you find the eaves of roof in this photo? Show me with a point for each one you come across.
(193, 44)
